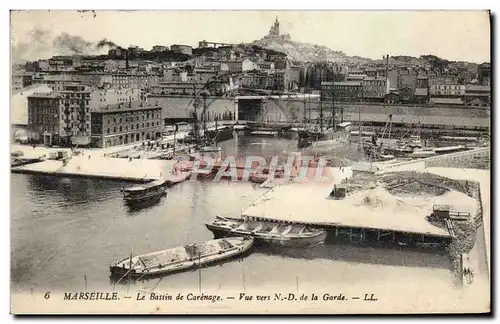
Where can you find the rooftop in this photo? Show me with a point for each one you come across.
(342, 83)
(45, 95)
(129, 106)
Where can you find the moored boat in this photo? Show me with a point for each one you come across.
(269, 233)
(258, 177)
(264, 133)
(328, 137)
(210, 149)
(422, 153)
(145, 192)
(181, 258)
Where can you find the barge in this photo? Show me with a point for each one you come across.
(181, 258)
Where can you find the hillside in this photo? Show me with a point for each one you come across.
(305, 52)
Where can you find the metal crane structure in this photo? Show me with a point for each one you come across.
(200, 99)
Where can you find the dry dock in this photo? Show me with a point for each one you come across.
(367, 215)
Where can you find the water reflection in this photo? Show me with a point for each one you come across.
(363, 254)
(63, 229)
(145, 205)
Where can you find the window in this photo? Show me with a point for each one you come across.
(107, 131)
(120, 128)
(114, 129)
(137, 126)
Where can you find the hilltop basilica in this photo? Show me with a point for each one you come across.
(274, 32)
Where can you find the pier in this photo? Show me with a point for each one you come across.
(369, 215)
(95, 165)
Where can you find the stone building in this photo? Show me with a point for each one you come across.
(342, 91)
(182, 49)
(44, 118)
(125, 123)
(61, 117)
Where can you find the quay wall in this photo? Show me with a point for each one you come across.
(458, 159)
(101, 167)
(454, 160)
(180, 107)
(293, 110)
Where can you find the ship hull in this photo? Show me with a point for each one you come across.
(318, 139)
(119, 269)
(272, 241)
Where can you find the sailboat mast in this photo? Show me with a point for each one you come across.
(195, 116)
(204, 116)
(333, 110)
(320, 113)
(305, 111)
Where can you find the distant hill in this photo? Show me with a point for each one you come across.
(306, 52)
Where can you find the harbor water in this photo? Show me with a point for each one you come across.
(66, 231)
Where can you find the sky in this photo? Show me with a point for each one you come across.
(453, 35)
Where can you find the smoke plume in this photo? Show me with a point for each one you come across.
(42, 44)
(104, 42)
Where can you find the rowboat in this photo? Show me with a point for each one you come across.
(181, 258)
(138, 195)
(268, 233)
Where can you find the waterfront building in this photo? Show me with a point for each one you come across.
(446, 87)
(125, 123)
(422, 82)
(45, 118)
(480, 92)
(484, 74)
(342, 91)
(421, 95)
(374, 89)
(61, 117)
(70, 104)
(407, 77)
